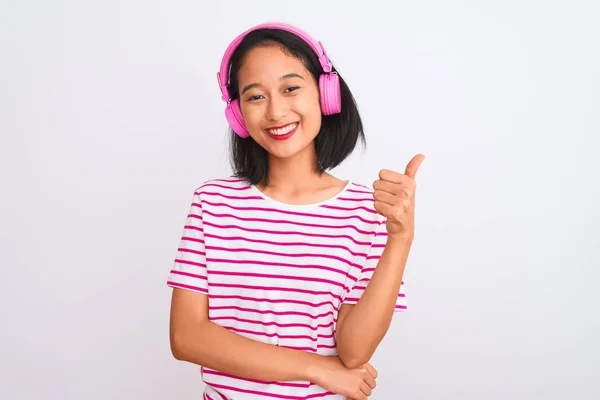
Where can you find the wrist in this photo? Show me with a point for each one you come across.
(316, 367)
(403, 239)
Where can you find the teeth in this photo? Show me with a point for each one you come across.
(283, 130)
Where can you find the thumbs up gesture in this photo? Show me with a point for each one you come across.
(394, 195)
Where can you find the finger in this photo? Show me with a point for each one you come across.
(413, 165)
(370, 380)
(406, 187)
(389, 198)
(383, 209)
(391, 176)
(366, 389)
(393, 213)
(371, 370)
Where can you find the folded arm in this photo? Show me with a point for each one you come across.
(197, 340)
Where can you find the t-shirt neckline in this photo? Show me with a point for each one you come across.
(290, 206)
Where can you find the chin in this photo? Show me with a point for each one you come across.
(284, 154)
(284, 150)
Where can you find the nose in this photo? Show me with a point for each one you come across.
(277, 108)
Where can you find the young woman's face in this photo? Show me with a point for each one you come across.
(279, 99)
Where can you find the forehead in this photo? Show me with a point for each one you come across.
(268, 63)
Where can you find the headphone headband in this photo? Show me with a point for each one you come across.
(223, 74)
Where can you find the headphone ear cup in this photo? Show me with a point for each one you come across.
(235, 119)
(331, 98)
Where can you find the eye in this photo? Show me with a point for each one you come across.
(292, 89)
(252, 98)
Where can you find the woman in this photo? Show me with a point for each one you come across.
(286, 278)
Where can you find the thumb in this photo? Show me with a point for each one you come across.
(413, 165)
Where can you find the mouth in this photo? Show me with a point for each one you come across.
(282, 132)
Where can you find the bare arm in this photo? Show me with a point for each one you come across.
(362, 326)
(197, 340)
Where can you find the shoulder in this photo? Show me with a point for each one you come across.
(222, 184)
(359, 192)
(225, 191)
(359, 187)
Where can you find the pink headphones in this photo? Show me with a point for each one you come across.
(329, 84)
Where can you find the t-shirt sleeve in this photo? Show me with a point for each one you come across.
(368, 269)
(189, 267)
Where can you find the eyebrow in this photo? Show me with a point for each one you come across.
(286, 76)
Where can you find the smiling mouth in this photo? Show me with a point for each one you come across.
(284, 130)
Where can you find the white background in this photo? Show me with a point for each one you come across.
(111, 117)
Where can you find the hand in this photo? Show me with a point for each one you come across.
(395, 198)
(355, 384)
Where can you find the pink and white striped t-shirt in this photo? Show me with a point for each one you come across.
(277, 273)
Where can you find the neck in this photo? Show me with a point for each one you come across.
(297, 172)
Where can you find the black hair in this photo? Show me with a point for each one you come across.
(338, 135)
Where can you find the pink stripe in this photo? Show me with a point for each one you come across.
(319, 346)
(297, 278)
(276, 288)
(401, 307)
(252, 310)
(277, 221)
(287, 384)
(312, 396)
(232, 197)
(326, 346)
(181, 285)
(220, 395)
(276, 264)
(191, 239)
(307, 244)
(265, 300)
(291, 255)
(295, 213)
(360, 191)
(184, 250)
(256, 322)
(231, 179)
(196, 264)
(277, 335)
(284, 232)
(173, 271)
(358, 199)
(246, 187)
(372, 211)
(277, 396)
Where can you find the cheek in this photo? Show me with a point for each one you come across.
(309, 107)
(252, 115)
